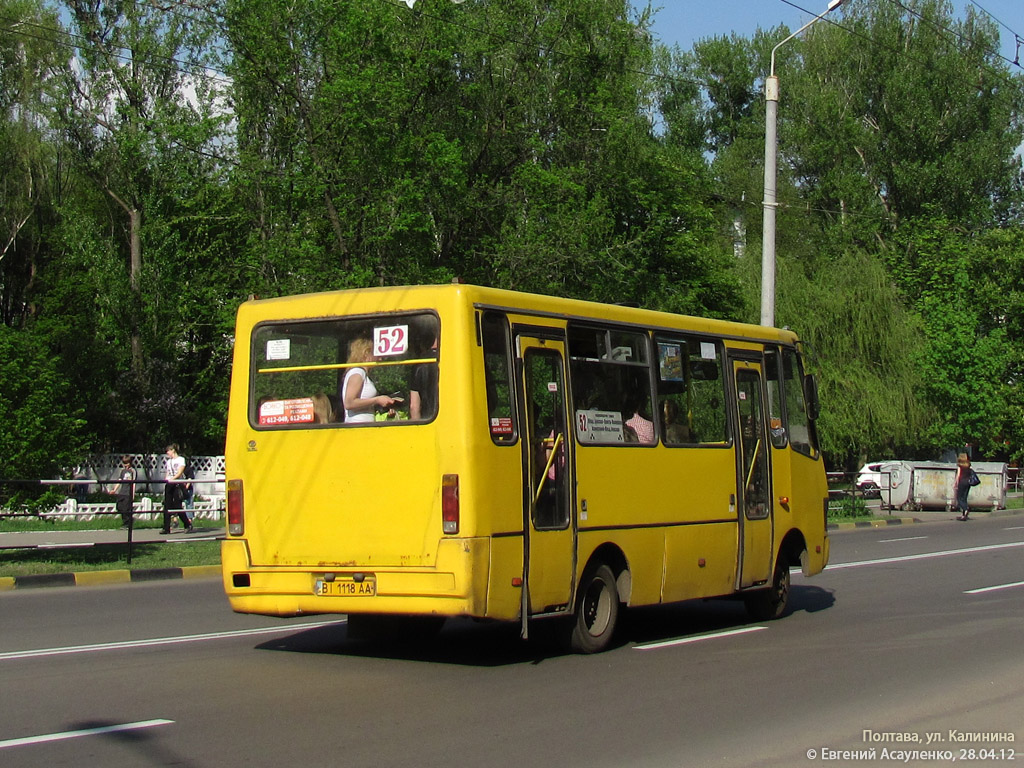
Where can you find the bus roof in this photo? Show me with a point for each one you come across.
(403, 298)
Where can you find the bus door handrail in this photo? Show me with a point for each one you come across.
(547, 467)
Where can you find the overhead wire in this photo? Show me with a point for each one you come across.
(75, 41)
(994, 18)
(954, 32)
(900, 52)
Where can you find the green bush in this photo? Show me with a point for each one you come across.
(847, 508)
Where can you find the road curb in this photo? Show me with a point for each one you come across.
(939, 516)
(96, 578)
(873, 523)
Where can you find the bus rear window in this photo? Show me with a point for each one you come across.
(366, 370)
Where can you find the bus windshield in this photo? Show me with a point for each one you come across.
(376, 370)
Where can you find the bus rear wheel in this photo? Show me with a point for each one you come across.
(597, 611)
(768, 604)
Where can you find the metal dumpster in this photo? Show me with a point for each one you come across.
(991, 494)
(933, 485)
(896, 484)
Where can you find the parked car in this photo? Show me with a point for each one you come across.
(869, 480)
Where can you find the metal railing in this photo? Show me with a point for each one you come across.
(143, 507)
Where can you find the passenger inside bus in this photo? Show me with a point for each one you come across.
(423, 390)
(358, 392)
(323, 411)
(638, 428)
(675, 433)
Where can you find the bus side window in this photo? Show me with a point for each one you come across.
(801, 428)
(611, 383)
(691, 400)
(773, 379)
(498, 378)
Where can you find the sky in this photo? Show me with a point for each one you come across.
(686, 21)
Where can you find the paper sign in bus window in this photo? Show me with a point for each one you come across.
(279, 349)
(671, 362)
(594, 426)
(501, 425)
(391, 340)
(276, 412)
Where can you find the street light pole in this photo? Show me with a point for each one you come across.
(771, 114)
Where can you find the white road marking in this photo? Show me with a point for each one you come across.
(925, 556)
(908, 538)
(993, 589)
(40, 652)
(28, 740)
(697, 638)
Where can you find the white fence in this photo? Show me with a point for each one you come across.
(150, 469)
(145, 508)
(100, 472)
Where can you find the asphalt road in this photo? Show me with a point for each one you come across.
(893, 639)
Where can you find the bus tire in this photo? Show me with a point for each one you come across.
(768, 604)
(597, 611)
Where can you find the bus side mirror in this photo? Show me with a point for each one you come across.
(811, 396)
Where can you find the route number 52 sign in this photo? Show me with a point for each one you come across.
(391, 340)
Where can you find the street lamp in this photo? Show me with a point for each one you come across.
(771, 114)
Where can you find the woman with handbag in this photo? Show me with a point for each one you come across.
(966, 478)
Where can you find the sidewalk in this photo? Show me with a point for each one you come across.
(70, 539)
(34, 539)
(921, 516)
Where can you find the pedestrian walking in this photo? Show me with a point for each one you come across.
(966, 478)
(125, 490)
(174, 491)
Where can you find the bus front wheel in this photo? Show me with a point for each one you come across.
(767, 604)
(597, 611)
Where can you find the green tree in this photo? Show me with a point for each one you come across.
(897, 128)
(139, 117)
(137, 98)
(39, 436)
(27, 161)
(902, 112)
(505, 143)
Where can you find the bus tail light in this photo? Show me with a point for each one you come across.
(236, 508)
(450, 503)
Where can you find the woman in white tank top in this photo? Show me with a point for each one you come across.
(359, 394)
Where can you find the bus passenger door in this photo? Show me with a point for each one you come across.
(754, 480)
(549, 533)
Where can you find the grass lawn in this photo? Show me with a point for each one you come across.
(108, 557)
(178, 552)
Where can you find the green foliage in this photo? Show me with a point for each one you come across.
(847, 507)
(896, 162)
(867, 353)
(40, 435)
(273, 147)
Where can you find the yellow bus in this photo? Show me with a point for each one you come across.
(402, 455)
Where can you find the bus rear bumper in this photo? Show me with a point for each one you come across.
(455, 586)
